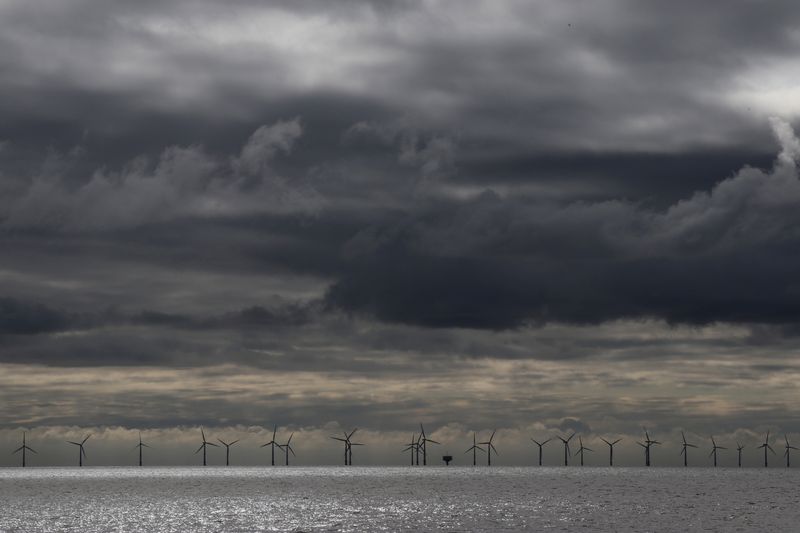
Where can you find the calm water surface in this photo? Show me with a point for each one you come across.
(392, 499)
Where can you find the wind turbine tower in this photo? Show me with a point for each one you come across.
(81, 450)
(540, 445)
(424, 441)
(227, 450)
(582, 449)
(140, 446)
(272, 443)
(489, 448)
(474, 449)
(714, 449)
(610, 450)
(288, 448)
(684, 450)
(786, 453)
(204, 445)
(766, 447)
(24, 448)
(566, 447)
(739, 449)
(411, 446)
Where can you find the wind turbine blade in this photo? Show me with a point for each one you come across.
(212, 444)
(352, 433)
(548, 440)
(604, 440)
(18, 450)
(75, 443)
(198, 449)
(37, 453)
(616, 441)
(492, 437)
(290, 438)
(234, 442)
(495, 449)
(87, 438)
(432, 441)
(291, 450)
(691, 445)
(223, 442)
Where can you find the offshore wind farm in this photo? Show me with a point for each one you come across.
(399, 265)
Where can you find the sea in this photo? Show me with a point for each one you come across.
(398, 499)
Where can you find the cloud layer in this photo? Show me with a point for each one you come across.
(419, 209)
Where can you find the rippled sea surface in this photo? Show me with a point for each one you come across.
(392, 499)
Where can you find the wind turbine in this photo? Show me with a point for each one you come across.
(204, 445)
(739, 449)
(582, 449)
(766, 447)
(424, 441)
(140, 446)
(685, 452)
(474, 449)
(610, 450)
(714, 449)
(350, 445)
(540, 445)
(24, 448)
(81, 451)
(566, 447)
(287, 448)
(788, 447)
(411, 446)
(228, 450)
(346, 441)
(272, 443)
(648, 442)
(489, 448)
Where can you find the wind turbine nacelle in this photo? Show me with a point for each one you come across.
(447, 459)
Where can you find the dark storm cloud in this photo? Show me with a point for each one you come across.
(421, 194)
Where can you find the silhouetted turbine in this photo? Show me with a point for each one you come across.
(766, 447)
(24, 448)
(540, 444)
(489, 448)
(228, 450)
(272, 443)
(610, 450)
(714, 449)
(81, 451)
(287, 448)
(348, 446)
(582, 449)
(648, 443)
(204, 445)
(684, 451)
(411, 446)
(474, 449)
(566, 447)
(140, 446)
(739, 449)
(424, 441)
(346, 442)
(786, 453)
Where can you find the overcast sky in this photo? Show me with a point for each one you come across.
(325, 214)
